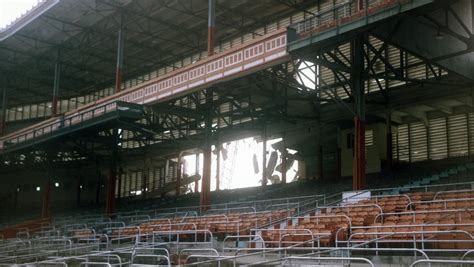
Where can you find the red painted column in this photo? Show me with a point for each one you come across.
(211, 28)
(358, 89)
(358, 167)
(45, 211)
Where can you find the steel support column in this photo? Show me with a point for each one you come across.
(57, 73)
(112, 176)
(211, 28)
(45, 211)
(264, 156)
(119, 180)
(338, 152)
(3, 111)
(389, 141)
(179, 174)
(207, 157)
(319, 164)
(284, 157)
(118, 70)
(78, 193)
(357, 77)
(196, 174)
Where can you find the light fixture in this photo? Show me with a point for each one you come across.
(18, 189)
(80, 187)
(38, 189)
(56, 184)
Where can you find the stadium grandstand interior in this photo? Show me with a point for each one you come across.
(237, 132)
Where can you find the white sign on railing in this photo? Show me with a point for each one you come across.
(355, 196)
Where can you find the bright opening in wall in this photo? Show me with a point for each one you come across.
(38, 189)
(236, 166)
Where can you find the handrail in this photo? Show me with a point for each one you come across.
(467, 253)
(230, 209)
(238, 237)
(206, 232)
(438, 201)
(150, 248)
(230, 204)
(95, 263)
(414, 233)
(324, 216)
(441, 261)
(301, 25)
(353, 207)
(257, 253)
(151, 256)
(286, 262)
(419, 212)
(451, 191)
(109, 256)
(204, 256)
(198, 249)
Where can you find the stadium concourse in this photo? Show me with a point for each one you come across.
(224, 132)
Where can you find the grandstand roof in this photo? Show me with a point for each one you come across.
(156, 34)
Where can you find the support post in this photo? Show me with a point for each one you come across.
(358, 167)
(319, 164)
(3, 111)
(144, 184)
(45, 212)
(119, 180)
(78, 193)
(207, 155)
(218, 167)
(389, 141)
(57, 73)
(211, 28)
(338, 156)
(179, 175)
(264, 156)
(118, 70)
(196, 174)
(98, 187)
(112, 176)
(284, 157)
